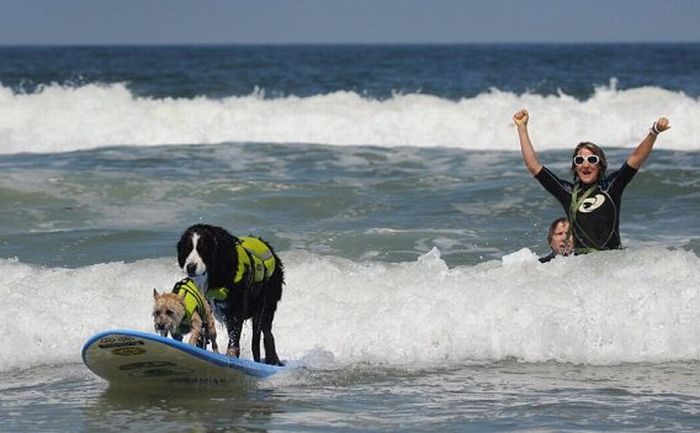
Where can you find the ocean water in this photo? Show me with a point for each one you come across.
(390, 181)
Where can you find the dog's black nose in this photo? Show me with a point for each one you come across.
(191, 269)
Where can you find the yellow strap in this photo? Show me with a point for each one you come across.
(218, 294)
(243, 264)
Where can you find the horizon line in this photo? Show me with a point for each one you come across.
(299, 44)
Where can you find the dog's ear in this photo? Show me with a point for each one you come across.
(155, 294)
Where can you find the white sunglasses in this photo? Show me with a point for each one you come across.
(592, 159)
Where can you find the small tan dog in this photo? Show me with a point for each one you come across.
(183, 311)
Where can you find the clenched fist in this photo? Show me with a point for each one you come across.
(521, 117)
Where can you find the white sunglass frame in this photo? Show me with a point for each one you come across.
(586, 159)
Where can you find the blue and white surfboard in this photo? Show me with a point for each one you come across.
(126, 357)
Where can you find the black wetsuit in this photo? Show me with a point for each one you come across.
(548, 257)
(596, 222)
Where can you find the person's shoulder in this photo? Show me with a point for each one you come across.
(624, 168)
(546, 173)
(625, 171)
(628, 168)
(548, 257)
(547, 176)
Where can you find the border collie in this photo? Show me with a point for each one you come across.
(243, 277)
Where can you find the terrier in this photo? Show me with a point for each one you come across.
(183, 311)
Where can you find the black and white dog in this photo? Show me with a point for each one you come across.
(242, 276)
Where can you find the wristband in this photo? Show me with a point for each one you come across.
(654, 130)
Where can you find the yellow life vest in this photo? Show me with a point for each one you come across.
(255, 259)
(194, 301)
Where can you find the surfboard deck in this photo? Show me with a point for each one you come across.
(127, 357)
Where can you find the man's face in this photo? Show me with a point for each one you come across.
(587, 172)
(558, 243)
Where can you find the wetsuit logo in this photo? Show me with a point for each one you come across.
(591, 204)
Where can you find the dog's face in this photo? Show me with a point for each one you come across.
(168, 312)
(207, 255)
(189, 254)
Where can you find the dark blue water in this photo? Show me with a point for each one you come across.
(377, 71)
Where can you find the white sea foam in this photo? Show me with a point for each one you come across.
(61, 118)
(606, 308)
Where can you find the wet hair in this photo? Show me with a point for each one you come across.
(553, 227)
(596, 150)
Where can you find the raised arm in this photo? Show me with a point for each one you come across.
(529, 156)
(640, 154)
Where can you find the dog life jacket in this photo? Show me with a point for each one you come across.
(255, 261)
(194, 301)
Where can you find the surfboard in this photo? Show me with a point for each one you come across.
(127, 357)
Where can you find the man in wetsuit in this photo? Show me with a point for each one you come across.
(592, 201)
